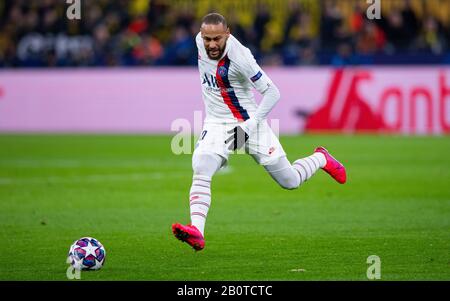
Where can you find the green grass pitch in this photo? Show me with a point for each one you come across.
(126, 191)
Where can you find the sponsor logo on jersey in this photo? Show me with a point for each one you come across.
(210, 80)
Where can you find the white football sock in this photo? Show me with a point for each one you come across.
(292, 176)
(200, 200)
(204, 165)
(308, 166)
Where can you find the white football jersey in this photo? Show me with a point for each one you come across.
(227, 83)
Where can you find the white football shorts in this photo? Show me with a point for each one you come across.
(263, 145)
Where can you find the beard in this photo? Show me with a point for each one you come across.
(215, 53)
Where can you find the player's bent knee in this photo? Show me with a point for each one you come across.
(284, 174)
(290, 184)
(205, 164)
(200, 168)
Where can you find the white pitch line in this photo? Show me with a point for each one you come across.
(92, 178)
(123, 177)
(67, 163)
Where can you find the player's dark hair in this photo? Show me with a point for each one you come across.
(214, 18)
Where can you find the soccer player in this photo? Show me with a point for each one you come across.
(228, 72)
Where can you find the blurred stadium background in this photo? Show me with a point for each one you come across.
(89, 107)
(159, 32)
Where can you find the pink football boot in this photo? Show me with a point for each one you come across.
(333, 167)
(189, 234)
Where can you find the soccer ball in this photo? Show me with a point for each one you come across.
(87, 253)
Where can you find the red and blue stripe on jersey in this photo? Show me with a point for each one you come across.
(227, 90)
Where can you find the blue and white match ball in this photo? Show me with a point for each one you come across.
(87, 253)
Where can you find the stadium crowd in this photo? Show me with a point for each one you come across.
(159, 33)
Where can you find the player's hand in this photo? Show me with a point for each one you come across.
(238, 138)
